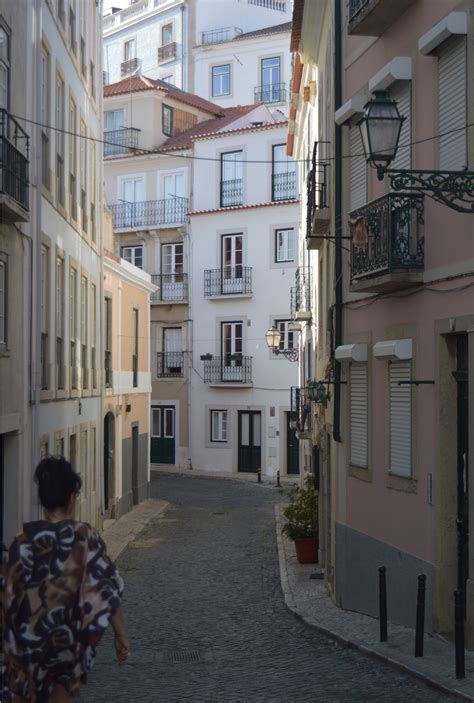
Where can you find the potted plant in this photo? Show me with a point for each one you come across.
(206, 357)
(302, 521)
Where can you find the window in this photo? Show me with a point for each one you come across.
(231, 179)
(168, 79)
(166, 34)
(61, 12)
(94, 334)
(93, 459)
(73, 326)
(45, 117)
(221, 80)
(4, 68)
(167, 120)
(283, 174)
(44, 317)
(129, 50)
(357, 170)
(359, 415)
(287, 339)
(92, 76)
(218, 425)
(172, 362)
(84, 462)
(84, 330)
(271, 80)
(452, 104)
(93, 189)
(108, 343)
(73, 160)
(113, 119)
(135, 348)
(134, 255)
(59, 322)
(172, 257)
(60, 140)
(3, 303)
(400, 410)
(83, 167)
(72, 29)
(284, 245)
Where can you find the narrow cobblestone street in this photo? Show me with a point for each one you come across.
(206, 616)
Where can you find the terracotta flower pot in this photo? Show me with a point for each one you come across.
(307, 550)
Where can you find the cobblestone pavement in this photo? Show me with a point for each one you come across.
(206, 616)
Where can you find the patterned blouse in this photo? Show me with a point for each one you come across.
(60, 591)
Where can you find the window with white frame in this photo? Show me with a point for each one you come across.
(358, 415)
(221, 80)
(60, 127)
(134, 255)
(287, 339)
(218, 425)
(167, 120)
(167, 34)
(400, 419)
(113, 119)
(129, 50)
(284, 245)
(3, 301)
(4, 68)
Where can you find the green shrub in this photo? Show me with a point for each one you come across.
(302, 512)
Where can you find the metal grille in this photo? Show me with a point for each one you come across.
(170, 364)
(356, 7)
(167, 52)
(14, 164)
(231, 192)
(130, 66)
(120, 141)
(302, 289)
(275, 93)
(284, 186)
(300, 406)
(219, 35)
(185, 656)
(230, 280)
(149, 213)
(173, 287)
(316, 189)
(232, 368)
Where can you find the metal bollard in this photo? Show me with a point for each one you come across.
(459, 634)
(259, 475)
(383, 603)
(278, 480)
(420, 616)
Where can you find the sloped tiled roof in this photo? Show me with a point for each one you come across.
(136, 84)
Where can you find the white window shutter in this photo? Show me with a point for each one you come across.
(358, 170)
(400, 419)
(359, 415)
(401, 92)
(452, 93)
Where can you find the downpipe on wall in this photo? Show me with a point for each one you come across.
(338, 218)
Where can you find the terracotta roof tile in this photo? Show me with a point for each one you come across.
(244, 207)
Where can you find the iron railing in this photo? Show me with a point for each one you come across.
(135, 370)
(130, 66)
(149, 213)
(214, 36)
(232, 193)
(317, 197)
(300, 405)
(301, 292)
(108, 368)
(274, 93)
(167, 52)
(231, 368)
(356, 7)
(284, 186)
(14, 164)
(173, 287)
(387, 235)
(269, 4)
(229, 280)
(170, 364)
(44, 361)
(120, 141)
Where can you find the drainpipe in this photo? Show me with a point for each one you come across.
(184, 81)
(338, 218)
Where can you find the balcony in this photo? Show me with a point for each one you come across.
(168, 52)
(14, 170)
(170, 364)
(300, 412)
(284, 186)
(229, 370)
(227, 281)
(170, 212)
(318, 213)
(129, 67)
(232, 193)
(120, 141)
(387, 248)
(130, 13)
(275, 93)
(214, 36)
(372, 17)
(277, 5)
(173, 288)
(300, 303)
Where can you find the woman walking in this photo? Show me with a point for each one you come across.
(60, 592)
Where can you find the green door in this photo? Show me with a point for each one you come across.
(292, 448)
(162, 435)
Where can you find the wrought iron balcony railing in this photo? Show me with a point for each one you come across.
(387, 236)
(275, 93)
(167, 52)
(356, 7)
(277, 5)
(222, 34)
(317, 197)
(108, 368)
(284, 186)
(301, 291)
(232, 368)
(170, 364)
(14, 167)
(373, 17)
(229, 280)
(300, 405)
(130, 66)
(173, 287)
(232, 193)
(149, 213)
(120, 141)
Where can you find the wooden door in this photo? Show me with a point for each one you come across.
(250, 441)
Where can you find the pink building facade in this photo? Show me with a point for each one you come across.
(403, 483)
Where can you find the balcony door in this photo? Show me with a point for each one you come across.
(231, 340)
(133, 192)
(172, 351)
(172, 266)
(283, 174)
(231, 179)
(232, 269)
(250, 441)
(173, 193)
(162, 445)
(271, 80)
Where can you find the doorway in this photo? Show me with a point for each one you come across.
(109, 458)
(250, 441)
(162, 446)
(292, 448)
(135, 436)
(461, 376)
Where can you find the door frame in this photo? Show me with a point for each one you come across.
(250, 411)
(168, 404)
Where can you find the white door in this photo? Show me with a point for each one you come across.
(232, 269)
(132, 195)
(174, 193)
(231, 336)
(172, 266)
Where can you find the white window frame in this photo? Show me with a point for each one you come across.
(133, 248)
(400, 370)
(220, 78)
(219, 426)
(359, 421)
(130, 42)
(287, 339)
(286, 247)
(127, 177)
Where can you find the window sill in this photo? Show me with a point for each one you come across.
(401, 483)
(360, 473)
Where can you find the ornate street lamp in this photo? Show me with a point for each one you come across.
(380, 129)
(273, 338)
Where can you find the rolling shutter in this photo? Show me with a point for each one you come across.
(358, 419)
(358, 170)
(452, 104)
(401, 92)
(400, 419)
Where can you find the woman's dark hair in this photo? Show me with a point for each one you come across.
(57, 481)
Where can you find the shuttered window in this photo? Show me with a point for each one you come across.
(401, 92)
(358, 170)
(452, 104)
(400, 419)
(359, 415)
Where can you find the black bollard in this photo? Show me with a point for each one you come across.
(383, 603)
(278, 479)
(259, 475)
(420, 616)
(459, 634)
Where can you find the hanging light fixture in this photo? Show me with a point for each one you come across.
(380, 129)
